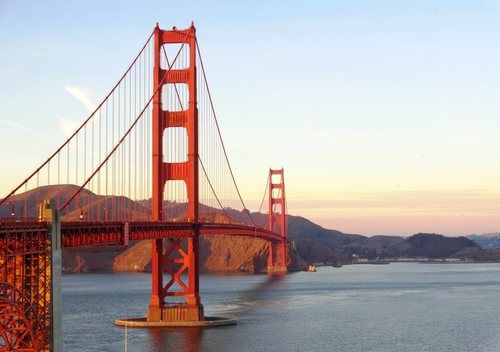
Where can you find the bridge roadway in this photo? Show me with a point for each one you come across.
(119, 233)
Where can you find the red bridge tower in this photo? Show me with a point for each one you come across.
(181, 254)
(278, 258)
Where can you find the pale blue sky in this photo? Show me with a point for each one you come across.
(385, 114)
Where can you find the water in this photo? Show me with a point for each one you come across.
(396, 307)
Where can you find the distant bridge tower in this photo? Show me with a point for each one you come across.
(278, 256)
(181, 255)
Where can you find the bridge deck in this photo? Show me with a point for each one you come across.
(119, 233)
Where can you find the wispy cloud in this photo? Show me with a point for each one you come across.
(82, 96)
(68, 126)
(21, 127)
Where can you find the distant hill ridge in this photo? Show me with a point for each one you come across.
(487, 240)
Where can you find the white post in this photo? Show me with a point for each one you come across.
(126, 338)
(55, 239)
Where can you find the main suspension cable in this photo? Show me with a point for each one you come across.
(264, 195)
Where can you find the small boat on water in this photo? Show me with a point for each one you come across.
(311, 269)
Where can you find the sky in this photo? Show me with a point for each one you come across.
(384, 114)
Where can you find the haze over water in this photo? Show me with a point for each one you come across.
(396, 307)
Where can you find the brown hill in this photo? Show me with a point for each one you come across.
(217, 254)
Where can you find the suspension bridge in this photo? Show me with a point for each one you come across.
(149, 163)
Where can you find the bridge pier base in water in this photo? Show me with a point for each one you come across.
(175, 315)
(176, 312)
(277, 260)
(277, 270)
(206, 323)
